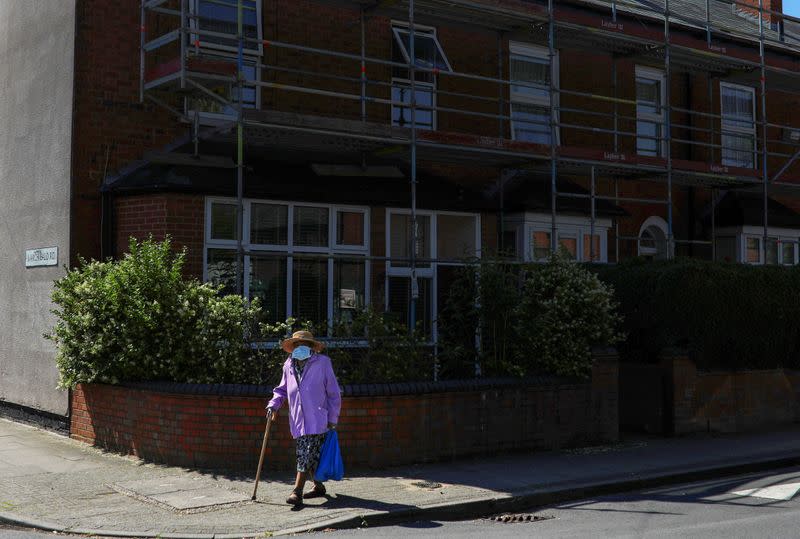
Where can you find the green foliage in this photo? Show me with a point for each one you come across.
(367, 347)
(727, 315)
(476, 321)
(564, 311)
(138, 319)
(539, 318)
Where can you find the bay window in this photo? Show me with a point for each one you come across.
(738, 125)
(745, 244)
(306, 261)
(530, 69)
(574, 234)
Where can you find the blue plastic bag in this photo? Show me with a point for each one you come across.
(330, 460)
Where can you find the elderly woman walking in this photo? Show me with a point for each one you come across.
(314, 399)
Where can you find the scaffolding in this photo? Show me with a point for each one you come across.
(722, 40)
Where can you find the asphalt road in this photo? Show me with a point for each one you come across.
(698, 510)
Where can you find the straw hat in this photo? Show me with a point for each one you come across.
(302, 337)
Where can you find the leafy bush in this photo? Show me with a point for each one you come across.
(138, 319)
(538, 318)
(476, 322)
(727, 315)
(368, 347)
(564, 311)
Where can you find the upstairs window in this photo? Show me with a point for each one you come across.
(222, 16)
(428, 54)
(649, 112)
(530, 74)
(738, 125)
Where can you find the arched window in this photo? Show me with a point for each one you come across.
(653, 238)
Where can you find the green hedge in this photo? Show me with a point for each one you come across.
(726, 315)
(138, 319)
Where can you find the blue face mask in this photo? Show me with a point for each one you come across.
(301, 353)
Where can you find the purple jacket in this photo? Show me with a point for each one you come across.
(315, 403)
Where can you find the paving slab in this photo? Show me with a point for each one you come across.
(183, 494)
(52, 482)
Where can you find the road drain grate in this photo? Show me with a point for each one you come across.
(518, 517)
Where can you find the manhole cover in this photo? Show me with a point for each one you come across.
(185, 495)
(427, 484)
(518, 517)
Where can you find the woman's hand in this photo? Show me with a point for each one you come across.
(331, 426)
(272, 414)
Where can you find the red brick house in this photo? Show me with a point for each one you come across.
(613, 129)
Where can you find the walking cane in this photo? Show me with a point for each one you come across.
(263, 450)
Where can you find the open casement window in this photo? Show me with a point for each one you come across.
(428, 55)
(530, 75)
(738, 126)
(650, 93)
(221, 16)
(303, 260)
(427, 52)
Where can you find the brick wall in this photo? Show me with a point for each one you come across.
(731, 401)
(674, 397)
(111, 128)
(216, 431)
(181, 216)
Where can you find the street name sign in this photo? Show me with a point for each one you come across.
(43, 256)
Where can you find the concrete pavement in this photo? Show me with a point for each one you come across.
(53, 483)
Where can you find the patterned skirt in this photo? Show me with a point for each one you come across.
(309, 449)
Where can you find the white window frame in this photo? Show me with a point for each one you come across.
(743, 233)
(289, 250)
(431, 271)
(539, 53)
(652, 74)
(429, 31)
(661, 224)
(736, 130)
(574, 227)
(194, 9)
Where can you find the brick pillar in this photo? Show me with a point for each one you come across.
(605, 395)
(681, 380)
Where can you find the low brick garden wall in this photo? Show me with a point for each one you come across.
(219, 426)
(674, 397)
(739, 401)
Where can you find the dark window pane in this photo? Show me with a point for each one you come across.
(401, 116)
(402, 239)
(269, 224)
(310, 226)
(400, 302)
(350, 228)
(223, 221)
(268, 283)
(456, 237)
(310, 290)
(221, 269)
(531, 123)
